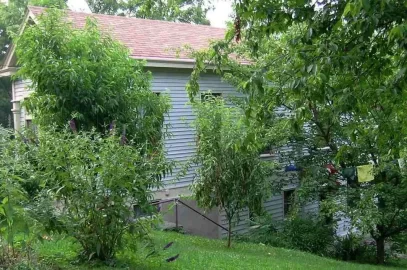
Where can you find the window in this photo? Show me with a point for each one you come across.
(288, 197)
(256, 208)
(268, 150)
(208, 95)
(28, 123)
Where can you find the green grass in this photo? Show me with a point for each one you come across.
(198, 253)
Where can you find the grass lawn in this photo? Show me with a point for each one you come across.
(198, 253)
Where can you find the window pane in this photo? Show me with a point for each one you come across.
(288, 200)
(207, 96)
(267, 150)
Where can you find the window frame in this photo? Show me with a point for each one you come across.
(207, 95)
(287, 205)
(28, 123)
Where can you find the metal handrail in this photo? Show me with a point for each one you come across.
(176, 200)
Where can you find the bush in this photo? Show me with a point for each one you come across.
(91, 187)
(355, 248)
(310, 235)
(18, 229)
(314, 236)
(399, 244)
(86, 186)
(305, 234)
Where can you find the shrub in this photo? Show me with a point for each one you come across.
(92, 183)
(399, 244)
(355, 248)
(305, 234)
(15, 220)
(308, 234)
(313, 235)
(85, 186)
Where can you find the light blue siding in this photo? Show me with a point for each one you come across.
(273, 206)
(242, 226)
(181, 145)
(21, 89)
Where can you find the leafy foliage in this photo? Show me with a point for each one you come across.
(95, 182)
(354, 248)
(86, 180)
(307, 234)
(186, 11)
(338, 69)
(86, 187)
(231, 174)
(15, 219)
(88, 77)
(12, 15)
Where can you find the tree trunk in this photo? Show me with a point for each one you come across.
(380, 254)
(229, 233)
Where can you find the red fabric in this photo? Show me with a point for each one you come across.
(331, 169)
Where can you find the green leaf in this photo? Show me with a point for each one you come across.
(5, 200)
(309, 68)
(347, 9)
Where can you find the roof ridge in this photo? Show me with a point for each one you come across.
(130, 18)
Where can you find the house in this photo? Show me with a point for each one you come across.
(156, 42)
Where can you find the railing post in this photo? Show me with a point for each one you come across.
(176, 213)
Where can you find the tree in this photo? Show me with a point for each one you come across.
(230, 173)
(186, 11)
(12, 15)
(112, 157)
(88, 78)
(338, 68)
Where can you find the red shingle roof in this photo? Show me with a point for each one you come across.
(149, 39)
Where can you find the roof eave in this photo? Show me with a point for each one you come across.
(8, 65)
(8, 72)
(167, 62)
(177, 63)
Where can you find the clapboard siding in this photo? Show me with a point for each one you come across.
(344, 225)
(311, 208)
(180, 146)
(240, 227)
(22, 117)
(20, 93)
(274, 206)
(21, 89)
